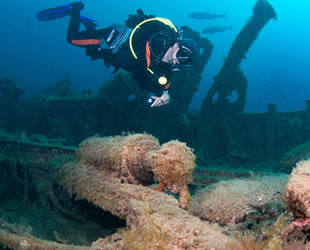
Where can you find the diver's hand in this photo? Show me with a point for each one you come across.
(162, 100)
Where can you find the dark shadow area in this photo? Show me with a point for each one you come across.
(51, 215)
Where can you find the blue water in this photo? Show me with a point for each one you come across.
(35, 54)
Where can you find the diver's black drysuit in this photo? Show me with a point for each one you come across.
(122, 57)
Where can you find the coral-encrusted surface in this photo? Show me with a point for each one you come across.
(16, 241)
(297, 198)
(230, 201)
(139, 159)
(122, 154)
(174, 164)
(164, 227)
(104, 189)
(153, 218)
(295, 155)
(297, 193)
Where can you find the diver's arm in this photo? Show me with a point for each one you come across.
(162, 100)
(161, 96)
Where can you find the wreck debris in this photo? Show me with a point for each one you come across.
(34, 150)
(27, 180)
(121, 154)
(295, 155)
(11, 237)
(164, 227)
(61, 89)
(230, 81)
(12, 111)
(9, 93)
(226, 98)
(63, 210)
(297, 198)
(271, 126)
(153, 218)
(187, 82)
(297, 193)
(139, 159)
(105, 189)
(26, 195)
(241, 201)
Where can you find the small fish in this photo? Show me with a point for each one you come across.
(206, 15)
(215, 29)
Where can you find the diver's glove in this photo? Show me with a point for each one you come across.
(162, 100)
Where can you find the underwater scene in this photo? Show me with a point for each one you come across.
(155, 125)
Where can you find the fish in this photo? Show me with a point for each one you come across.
(206, 15)
(215, 29)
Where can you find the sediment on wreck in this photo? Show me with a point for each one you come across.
(149, 214)
(15, 240)
(297, 193)
(33, 208)
(140, 159)
(154, 219)
(297, 199)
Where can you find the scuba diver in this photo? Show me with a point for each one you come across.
(150, 47)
